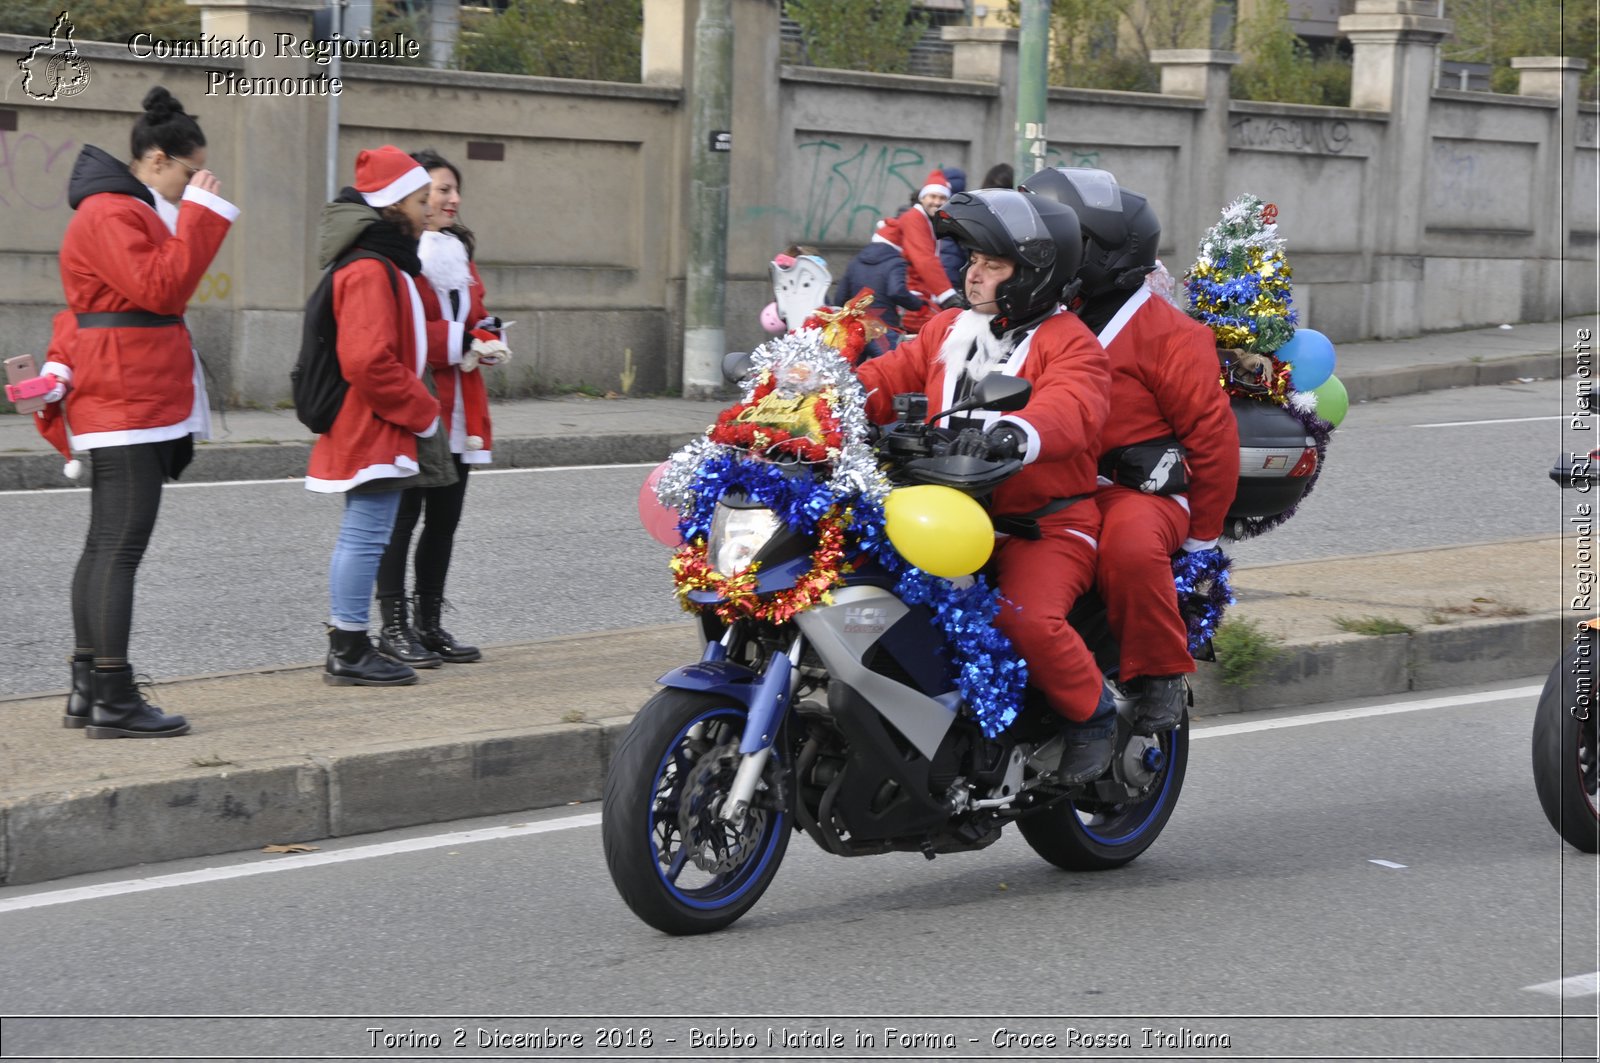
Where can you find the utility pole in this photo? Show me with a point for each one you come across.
(704, 340)
(1033, 76)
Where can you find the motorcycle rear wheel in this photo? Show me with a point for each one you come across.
(675, 864)
(1565, 761)
(1089, 835)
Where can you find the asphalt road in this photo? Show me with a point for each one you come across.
(236, 574)
(1335, 884)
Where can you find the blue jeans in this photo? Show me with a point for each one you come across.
(363, 535)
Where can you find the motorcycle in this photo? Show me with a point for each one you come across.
(845, 723)
(1566, 767)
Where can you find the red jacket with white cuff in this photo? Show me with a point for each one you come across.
(1164, 384)
(463, 397)
(1062, 420)
(912, 234)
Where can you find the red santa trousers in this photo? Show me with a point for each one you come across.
(1139, 533)
(1039, 580)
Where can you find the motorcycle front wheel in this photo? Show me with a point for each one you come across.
(679, 867)
(1097, 835)
(1565, 765)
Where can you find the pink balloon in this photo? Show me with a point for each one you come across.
(771, 320)
(660, 521)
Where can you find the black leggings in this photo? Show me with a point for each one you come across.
(434, 545)
(123, 501)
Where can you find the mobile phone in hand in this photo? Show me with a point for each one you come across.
(25, 388)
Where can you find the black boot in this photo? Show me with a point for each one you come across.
(1080, 752)
(396, 639)
(1161, 705)
(436, 638)
(119, 710)
(82, 696)
(353, 662)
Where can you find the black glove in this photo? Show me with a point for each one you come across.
(954, 299)
(1005, 441)
(971, 443)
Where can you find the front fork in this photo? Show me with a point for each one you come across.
(767, 707)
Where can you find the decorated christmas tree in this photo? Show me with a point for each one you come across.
(1239, 285)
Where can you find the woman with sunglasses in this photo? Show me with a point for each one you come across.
(141, 237)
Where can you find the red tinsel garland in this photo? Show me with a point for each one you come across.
(692, 571)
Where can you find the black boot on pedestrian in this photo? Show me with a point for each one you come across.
(1080, 752)
(354, 662)
(119, 710)
(398, 641)
(82, 696)
(1161, 704)
(436, 638)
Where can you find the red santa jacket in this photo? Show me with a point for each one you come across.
(133, 385)
(382, 346)
(1063, 418)
(463, 397)
(1164, 384)
(912, 234)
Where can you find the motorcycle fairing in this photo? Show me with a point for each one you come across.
(726, 678)
(843, 633)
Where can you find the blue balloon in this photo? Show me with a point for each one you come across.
(1310, 357)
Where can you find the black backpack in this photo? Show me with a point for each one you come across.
(316, 382)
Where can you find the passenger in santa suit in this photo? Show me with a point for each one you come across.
(911, 234)
(1170, 453)
(141, 237)
(462, 340)
(373, 443)
(1024, 252)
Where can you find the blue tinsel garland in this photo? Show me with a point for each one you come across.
(1203, 592)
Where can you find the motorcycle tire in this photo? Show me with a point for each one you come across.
(1564, 749)
(683, 746)
(1094, 836)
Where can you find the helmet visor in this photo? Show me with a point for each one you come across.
(1017, 218)
(1096, 188)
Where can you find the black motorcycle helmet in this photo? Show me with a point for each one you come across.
(1042, 237)
(1120, 228)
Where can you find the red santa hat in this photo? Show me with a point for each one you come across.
(936, 183)
(387, 175)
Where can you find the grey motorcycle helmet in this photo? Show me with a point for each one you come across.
(1120, 228)
(1041, 236)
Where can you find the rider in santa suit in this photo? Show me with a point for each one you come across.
(1024, 252)
(911, 234)
(1164, 394)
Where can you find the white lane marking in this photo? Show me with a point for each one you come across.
(1491, 420)
(1340, 715)
(297, 481)
(1387, 863)
(365, 852)
(1579, 985)
(297, 862)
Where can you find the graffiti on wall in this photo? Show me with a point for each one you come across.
(34, 171)
(848, 189)
(1310, 136)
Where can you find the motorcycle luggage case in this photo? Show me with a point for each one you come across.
(1277, 458)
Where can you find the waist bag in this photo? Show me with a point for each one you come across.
(1156, 467)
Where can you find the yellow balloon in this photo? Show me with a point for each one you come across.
(938, 529)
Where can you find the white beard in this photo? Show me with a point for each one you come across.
(971, 329)
(444, 262)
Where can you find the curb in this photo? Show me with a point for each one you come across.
(49, 835)
(1414, 379)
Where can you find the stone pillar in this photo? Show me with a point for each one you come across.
(665, 43)
(272, 167)
(1202, 74)
(1396, 45)
(1553, 78)
(444, 27)
(988, 54)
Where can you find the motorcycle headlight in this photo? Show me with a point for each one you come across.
(737, 535)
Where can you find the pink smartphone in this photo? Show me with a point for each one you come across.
(25, 388)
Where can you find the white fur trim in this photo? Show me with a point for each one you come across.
(457, 331)
(399, 188)
(943, 190)
(58, 370)
(127, 437)
(879, 238)
(432, 430)
(444, 263)
(474, 457)
(402, 466)
(1123, 316)
(1192, 545)
(212, 202)
(419, 323)
(1085, 536)
(1182, 500)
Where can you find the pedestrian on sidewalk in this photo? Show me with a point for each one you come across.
(911, 234)
(463, 339)
(141, 237)
(377, 445)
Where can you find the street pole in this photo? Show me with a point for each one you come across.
(1033, 76)
(704, 342)
(337, 23)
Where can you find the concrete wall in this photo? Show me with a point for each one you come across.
(1417, 210)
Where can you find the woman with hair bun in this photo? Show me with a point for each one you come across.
(141, 237)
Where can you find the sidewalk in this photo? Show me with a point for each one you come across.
(271, 444)
(278, 757)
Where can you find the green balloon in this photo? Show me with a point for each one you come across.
(1333, 401)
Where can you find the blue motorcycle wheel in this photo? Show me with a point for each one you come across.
(680, 868)
(1095, 835)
